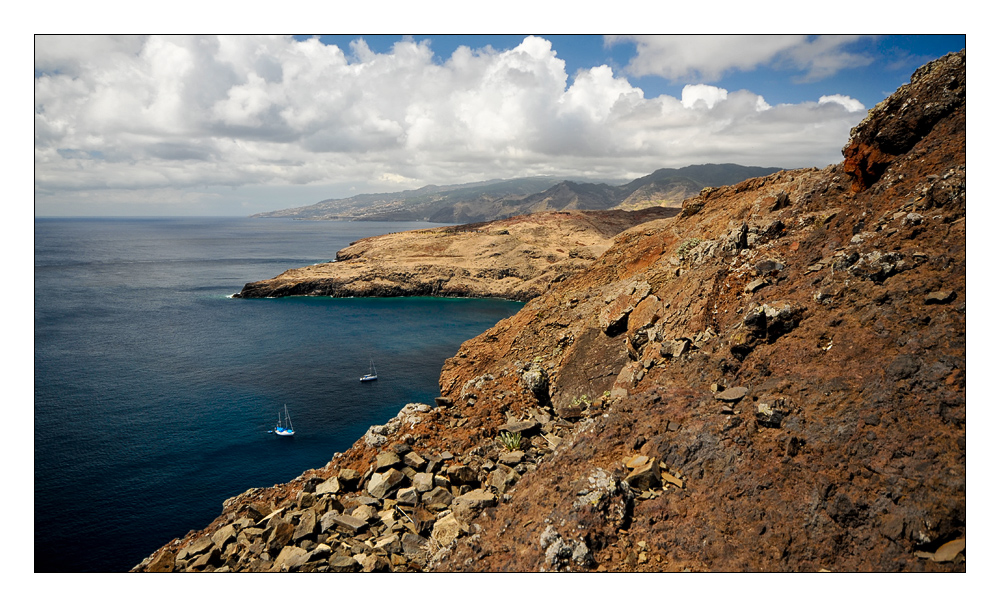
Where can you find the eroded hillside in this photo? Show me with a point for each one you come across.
(772, 380)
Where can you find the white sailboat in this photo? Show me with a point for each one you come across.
(284, 428)
(371, 375)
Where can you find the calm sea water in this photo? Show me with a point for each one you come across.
(154, 390)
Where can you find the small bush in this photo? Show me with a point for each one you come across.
(686, 247)
(511, 441)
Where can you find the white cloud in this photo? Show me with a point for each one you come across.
(850, 104)
(707, 95)
(708, 58)
(179, 114)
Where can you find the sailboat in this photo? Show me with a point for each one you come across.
(372, 375)
(284, 428)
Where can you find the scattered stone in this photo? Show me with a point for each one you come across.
(756, 285)
(199, 546)
(768, 416)
(768, 267)
(667, 478)
(411, 544)
(674, 348)
(645, 476)
(346, 522)
(939, 297)
(512, 458)
(290, 559)
(525, 428)
(732, 395)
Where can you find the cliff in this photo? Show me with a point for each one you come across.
(773, 380)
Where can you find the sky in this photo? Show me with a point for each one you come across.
(234, 125)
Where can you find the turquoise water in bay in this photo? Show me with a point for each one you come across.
(154, 389)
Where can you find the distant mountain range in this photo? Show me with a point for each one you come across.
(503, 198)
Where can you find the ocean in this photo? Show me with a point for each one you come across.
(155, 389)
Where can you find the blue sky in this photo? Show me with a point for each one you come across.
(894, 59)
(233, 125)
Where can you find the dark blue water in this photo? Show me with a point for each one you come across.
(154, 390)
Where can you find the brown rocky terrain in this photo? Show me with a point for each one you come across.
(773, 380)
(516, 258)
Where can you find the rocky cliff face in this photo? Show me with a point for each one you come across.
(772, 380)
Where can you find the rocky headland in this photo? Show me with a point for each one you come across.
(517, 258)
(772, 380)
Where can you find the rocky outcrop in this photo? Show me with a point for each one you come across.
(656, 412)
(516, 258)
(895, 125)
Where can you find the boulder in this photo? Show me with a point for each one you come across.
(290, 559)
(281, 536)
(382, 483)
(408, 496)
(224, 535)
(348, 478)
(345, 522)
(412, 543)
(437, 499)
(939, 297)
(674, 348)
(414, 461)
(330, 486)
(390, 543)
(163, 563)
(306, 528)
(446, 530)
(460, 474)
(344, 564)
(199, 546)
(374, 563)
(503, 478)
(387, 459)
(469, 505)
(423, 482)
